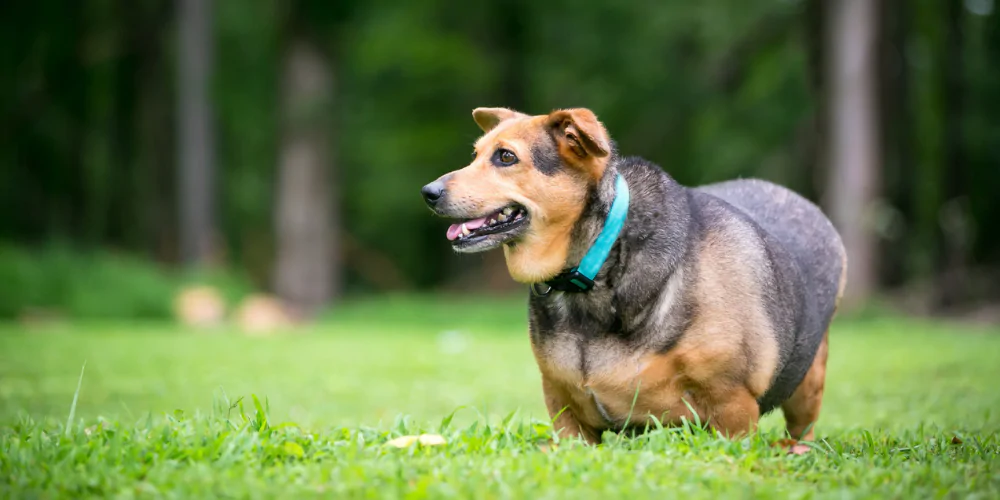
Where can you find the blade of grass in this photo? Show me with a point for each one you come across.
(635, 397)
(76, 397)
(694, 414)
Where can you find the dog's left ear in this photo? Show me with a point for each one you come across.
(581, 137)
(489, 118)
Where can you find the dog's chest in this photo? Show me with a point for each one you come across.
(597, 372)
(605, 380)
(575, 359)
(582, 339)
(604, 373)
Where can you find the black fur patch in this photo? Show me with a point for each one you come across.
(545, 156)
(616, 327)
(541, 319)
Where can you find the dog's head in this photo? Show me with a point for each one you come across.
(525, 188)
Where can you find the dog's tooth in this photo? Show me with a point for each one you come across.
(507, 211)
(502, 217)
(492, 221)
(465, 230)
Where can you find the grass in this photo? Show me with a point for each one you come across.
(912, 411)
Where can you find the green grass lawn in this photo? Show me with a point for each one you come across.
(912, 410)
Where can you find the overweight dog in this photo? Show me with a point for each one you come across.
(648, 298)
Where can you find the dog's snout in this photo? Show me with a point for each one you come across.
(433, 192)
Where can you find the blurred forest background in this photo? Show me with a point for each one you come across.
(280, 145)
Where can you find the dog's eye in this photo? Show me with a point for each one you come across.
(504, 158)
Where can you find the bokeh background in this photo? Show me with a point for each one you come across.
(278, 147)
(210, 203)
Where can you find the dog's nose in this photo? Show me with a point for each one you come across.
(433, 192)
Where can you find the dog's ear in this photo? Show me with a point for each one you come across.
(580, 131)
(582, 139)
(489, 118)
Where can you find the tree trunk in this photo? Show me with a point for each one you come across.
(953, 219)
(853, 137)
(898, 178)
(817, 54)
(156, 190)
(306, 273)
(196, 140)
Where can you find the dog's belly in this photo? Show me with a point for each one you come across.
(609, 386)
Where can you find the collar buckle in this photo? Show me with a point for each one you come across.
(572, 281)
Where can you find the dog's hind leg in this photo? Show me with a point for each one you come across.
(736, 415)
(802, 409)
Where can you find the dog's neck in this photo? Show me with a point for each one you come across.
(650, 249)
(659, 214)
(592, 219)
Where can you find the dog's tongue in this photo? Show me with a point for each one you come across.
(455, 230)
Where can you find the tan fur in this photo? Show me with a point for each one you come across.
(582, 139)
(565, 423)
(720, 329)
(802, 409)
(708, 369)
(489, 118)
(657, 386)
(553, 202)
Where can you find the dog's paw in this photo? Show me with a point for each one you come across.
(791, 446)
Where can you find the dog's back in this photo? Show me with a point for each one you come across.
(810, 240)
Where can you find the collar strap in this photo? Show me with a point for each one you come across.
(581, 277)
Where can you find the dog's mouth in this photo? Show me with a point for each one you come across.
(490, 231)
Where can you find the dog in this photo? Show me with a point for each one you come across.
(648, 298)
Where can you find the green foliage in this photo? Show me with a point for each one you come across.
(146, 423)
(407, 77)
(59, 281)
(709, 90)
(412, 74)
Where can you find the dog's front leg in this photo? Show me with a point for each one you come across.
(564, 421)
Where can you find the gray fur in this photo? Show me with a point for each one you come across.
(642, 301)
(808, 255)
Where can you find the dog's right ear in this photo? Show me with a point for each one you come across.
(489, 118)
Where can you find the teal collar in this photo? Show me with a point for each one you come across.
(581, 277)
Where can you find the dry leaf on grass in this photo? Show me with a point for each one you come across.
(431, 440)
(402, 441)
(423, 439)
